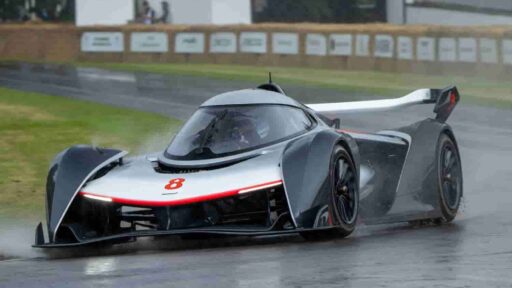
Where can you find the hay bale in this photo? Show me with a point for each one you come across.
(58, 42)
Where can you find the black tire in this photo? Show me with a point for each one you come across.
(344, 202)
(449, 178)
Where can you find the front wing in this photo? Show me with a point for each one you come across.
(132, 236)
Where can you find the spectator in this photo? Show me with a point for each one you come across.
(149, 14)
(33, 14)
(23, 14)
(43, 14)
(58, 11)
(165, 12)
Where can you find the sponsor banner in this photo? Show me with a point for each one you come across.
(447, 49)
(384, 46)
(506, 48)
(285, 43)
(467, 50)
(404, 48)
(362, 45)
(340, 44)
(488, 50)
(189, 43)
(253, 42)
(223, 42)
(425, 49)
(316, 44)
(102, 42)
(149, 42)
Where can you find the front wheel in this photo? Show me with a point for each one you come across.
(344, 197)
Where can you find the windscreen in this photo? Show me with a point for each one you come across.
(224, 130)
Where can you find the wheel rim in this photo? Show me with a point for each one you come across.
(450, 176)
(345, 193)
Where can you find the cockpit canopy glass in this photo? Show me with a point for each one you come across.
(219, 131)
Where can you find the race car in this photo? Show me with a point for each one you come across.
(256, 162)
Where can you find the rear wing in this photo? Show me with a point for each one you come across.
(444, 100)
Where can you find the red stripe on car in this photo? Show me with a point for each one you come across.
(185, 201)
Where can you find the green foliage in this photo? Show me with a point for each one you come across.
(46, 9)
(321, 11)
(9, 9)
(34, 127)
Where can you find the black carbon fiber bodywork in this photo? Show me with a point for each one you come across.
(395, 169)
(418, 180)
(416, 184)
(69, 170)
(382, 158)
(306, 166)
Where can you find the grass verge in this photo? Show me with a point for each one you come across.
(34, 127)
(473, 89)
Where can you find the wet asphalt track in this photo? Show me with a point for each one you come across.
(474, 251)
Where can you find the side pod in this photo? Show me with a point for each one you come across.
(306, 167)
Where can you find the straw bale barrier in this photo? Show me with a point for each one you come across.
(381, 47)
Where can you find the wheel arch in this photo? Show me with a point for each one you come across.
(305, 168)
(72, 168)
(420, 165)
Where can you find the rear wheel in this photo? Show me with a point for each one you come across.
(449, 182)
(449, 172)
(344, 206)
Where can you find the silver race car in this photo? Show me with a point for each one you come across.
(256, 162)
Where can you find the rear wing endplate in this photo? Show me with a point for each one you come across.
(444, 99)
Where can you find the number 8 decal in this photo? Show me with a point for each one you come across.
(174, 184)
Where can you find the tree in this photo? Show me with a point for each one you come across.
(295, 11)
(321, 11)
(9, 9)
(44, 9)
